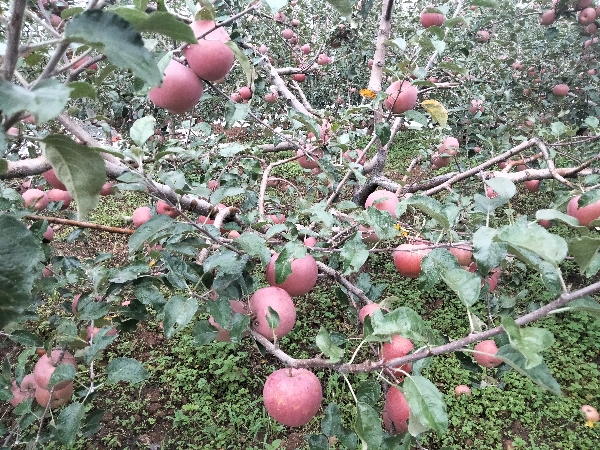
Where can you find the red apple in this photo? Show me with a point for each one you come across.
(302, 279)
(463, 255)
(58, 195)
(210, 60)
(462, 389)
(306, 161)
(305, 49)
(164, 208)
(400, 346)
(591, 413)
(280, 301)
(488, 360)
(49, 234)
(292, 396)
(200, 27)
(586, 16)
(430, 19)
(408, 257)
(141, 215)
(53, 181)
(180, 90)
(287, 33)
(388, 202)
(402, 96)
(271, 97)
(46, 366)
(548, 18)
(395, 411)
(585, 215)
(560, 90)
(59, 396)
(299, 77)
(532, 185)
(35, 199)
(276, 218)
(245, 93)
(368, 310)
(24, 391)
(108, 188)
(483, 36)
(93, 67)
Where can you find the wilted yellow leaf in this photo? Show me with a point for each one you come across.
(437, 111)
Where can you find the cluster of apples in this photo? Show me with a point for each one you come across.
(209, 59)
(586, 16)
(38, 199)
(35, 385)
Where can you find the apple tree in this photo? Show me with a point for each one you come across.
(496, 95)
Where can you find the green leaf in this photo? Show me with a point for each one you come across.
(434, 264)
(254, 245)
(148, 294)
(467, 285)
(344, 7)
(66, 332)
(488, 253)
(235, 112)
(328, 348)
(67, 423)
(452, 67)
(534, 238)
(148, 231)
(332, 420)
(204, 332)
(307, 121)
(232, 149)
(142, 129)
(63, 372)
(275, 5)
(369, 392)
(381, 221)
(239, 324)
(368, 425)
(25, 338)
(79, 167)
(317, 442)
(439, 46)
(223, 192)
(539, 374)
(82, 89)
(426, 404)
(245, 63)
(445, 215)
(17, 275)
(353, 255)
(529, 341)
(588, 198)
(90, 309)
(586, 304)
(117, 39)
(485, 3)
(168, 25)
(553, 214)
(45, 101)
(220, 310)
(584, 250)
(283, 264)
(504, 187)
(272, 318)
(100, 341)
(125, 369)
(382, 129)
(402, 320)
(318, 213)
(178, 313)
